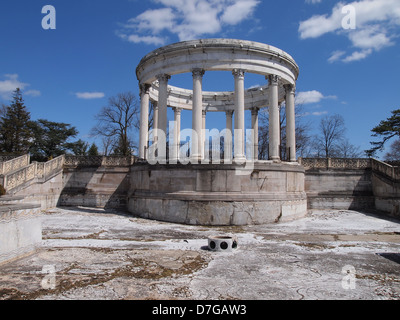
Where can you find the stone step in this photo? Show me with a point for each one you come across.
(4, 209)
(9, 199)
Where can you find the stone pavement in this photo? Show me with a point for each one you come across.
(97, 254)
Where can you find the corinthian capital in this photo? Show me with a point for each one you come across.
(145, 88)
(290, 88)
(273, 79)
(238, 73)
(198, 73)
(163, 77)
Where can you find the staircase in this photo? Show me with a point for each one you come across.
(30, 188)
(386, 185)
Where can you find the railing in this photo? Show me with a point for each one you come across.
(386, 169)
(7, 158)
(14, 164)
(19, 177)
(53, 166)
(335, 163)
(98, 161)
(29, 172)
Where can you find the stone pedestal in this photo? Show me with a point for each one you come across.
(216, 195)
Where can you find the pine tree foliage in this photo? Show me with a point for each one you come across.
(16, 127)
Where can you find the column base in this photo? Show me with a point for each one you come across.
(195, 159)
(239, 159)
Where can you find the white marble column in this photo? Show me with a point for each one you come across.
(203, 134)
(155, 120)
(290, 123)
(254, 126)
(274, 121)
(144, 120)
(197, 115)
(163, 102)
(177, 131)
(239, 154)
(228, 137)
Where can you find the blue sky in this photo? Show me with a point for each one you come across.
(68, 74)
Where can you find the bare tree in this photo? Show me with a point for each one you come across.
(394, 153)
(116, 122)
(347, 150)
(332, 131)
(108, 145)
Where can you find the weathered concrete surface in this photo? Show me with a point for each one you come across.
(99, 254)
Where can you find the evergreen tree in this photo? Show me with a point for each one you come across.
(387, 129)
(51, 139)
(93, 150)
(15, 127)
(79, 148)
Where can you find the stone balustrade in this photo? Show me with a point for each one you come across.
(14, 164)
(19, 177)
(386, 169)
(99, 161)
(26, 172)
(335, 163)
(7, 158)
(53, 166)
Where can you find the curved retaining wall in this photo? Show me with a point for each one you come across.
(218, 194)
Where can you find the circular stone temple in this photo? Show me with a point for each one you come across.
(180, 183)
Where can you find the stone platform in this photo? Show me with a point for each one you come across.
(106, 255)
(218, 194)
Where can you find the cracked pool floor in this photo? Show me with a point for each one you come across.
(101, 254)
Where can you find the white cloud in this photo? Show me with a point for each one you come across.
(313, 1)
(90, 95)
(156, 20)
(358, 55)
(336, 55)
(238, 11)
(134, 38)
(33, 93)
(308, 97)
(377, 22)
(371, 37)
(319, 113)
(187, 19)
(11, 83)
(318, 25)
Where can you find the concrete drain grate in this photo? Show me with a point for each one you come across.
(222, 243)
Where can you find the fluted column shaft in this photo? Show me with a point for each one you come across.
(197, 114)
(228, 137)
(163, 102)
(239, 153)
(290, 123)
(177, 131)
(254, 126)
(203, 135)
(274, 121)
(144, 120)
